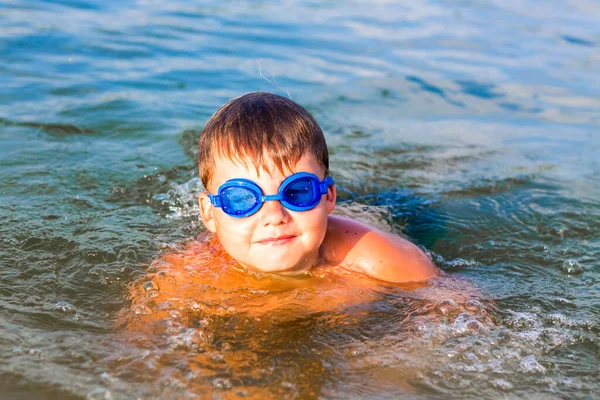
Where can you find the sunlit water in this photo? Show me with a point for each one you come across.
(470, 128)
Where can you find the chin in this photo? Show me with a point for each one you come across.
(276, 269)
(279, 268)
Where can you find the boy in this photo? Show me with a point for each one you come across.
(272, 242)
(265, 166)
(248, 304)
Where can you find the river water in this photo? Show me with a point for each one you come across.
(470, 127)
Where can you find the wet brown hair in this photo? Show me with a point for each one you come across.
(257, 127)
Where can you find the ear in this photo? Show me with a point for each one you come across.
(206, 212)
(331, 197)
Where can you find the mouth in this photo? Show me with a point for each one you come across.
(277, 241)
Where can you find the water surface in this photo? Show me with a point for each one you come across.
(471, 128)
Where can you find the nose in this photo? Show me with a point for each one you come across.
(274, 213)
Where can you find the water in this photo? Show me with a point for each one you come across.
(470, 127)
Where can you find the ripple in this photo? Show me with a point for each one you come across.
(578, 41)
(477, 140)
(55, 129)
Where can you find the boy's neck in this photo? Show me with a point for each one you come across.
(304, 269)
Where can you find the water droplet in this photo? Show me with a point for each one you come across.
(36, 353)
(524, 320)
(264, 372)
(150, 286)
(474, 326)
(141, 310)
(451, 354)
(474, 305)
(152, 294)
(288, 385)
(504, 336)
(572, 267)
(222, 383)
(65, 307)
(175, 314)
(357, 351)
(502, 384)
(203, 323)
(194, 305)
(108, 378)
(530, 365)
(218, 358)
(462, 263)
(447, 306)
(565, 301)
(99, 394)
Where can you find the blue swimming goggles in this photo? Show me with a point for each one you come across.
(241, 198)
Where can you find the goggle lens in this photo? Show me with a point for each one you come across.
(301, 193)
(238, 200)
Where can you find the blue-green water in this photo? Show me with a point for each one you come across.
(470, 127)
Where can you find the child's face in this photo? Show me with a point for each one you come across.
(274, 239)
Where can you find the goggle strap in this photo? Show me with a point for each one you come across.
(215, 200)
(324, 186)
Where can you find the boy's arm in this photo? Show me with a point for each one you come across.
(380, 255)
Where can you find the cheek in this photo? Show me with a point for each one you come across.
(314, 223)
(234, 233)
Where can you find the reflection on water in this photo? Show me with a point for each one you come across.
(469, 128)
(205, 325)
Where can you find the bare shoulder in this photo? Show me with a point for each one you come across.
(380, 255)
